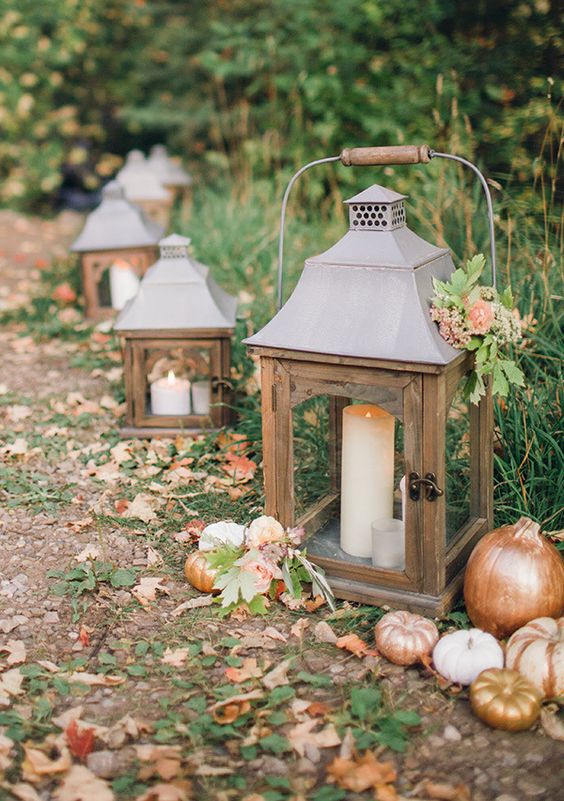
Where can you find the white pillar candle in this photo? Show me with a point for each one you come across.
(170, 395)
(124, 283)
(388, 544)
(367, 475)
(201, 397)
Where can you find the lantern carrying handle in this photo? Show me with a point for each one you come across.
(372, 156)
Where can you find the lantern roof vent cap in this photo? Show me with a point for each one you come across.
(113, 191)
(134, 157)
(174, 247)
(376, 194)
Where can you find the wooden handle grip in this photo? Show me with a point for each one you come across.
(396, 154)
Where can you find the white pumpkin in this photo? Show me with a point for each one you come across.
(462, 655)
(537, 652)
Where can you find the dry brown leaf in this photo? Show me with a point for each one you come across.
(193, 603)
(10, 685)
(248, 670)
(6, 746)
(24, 792)
(15, 650)
(37, 764)
(274, 634)
(348, 745)
(253, 695)
(48, 665)
(442, 791)
(324, 633)
(177, 791)
(299, 627)
(146, 590)
(361, 772)
(80, 784)
(352, 643)
(161, 760)
(89, 552)
(551, 722)
(307, 742)
(229, 713)
(143, 507)
(95, 679)
(153, 557)
(176, 657)
(277, 676)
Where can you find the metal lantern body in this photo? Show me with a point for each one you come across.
(171, 175)
(176, 336)
(144, 188)
(357, 327)
(116, 246)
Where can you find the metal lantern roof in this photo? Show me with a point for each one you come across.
(139, 180)
(368, 295)
(167, 171)
(177, 292)
(116, 224)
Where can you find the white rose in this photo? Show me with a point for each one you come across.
(222, 533)
(264, 530)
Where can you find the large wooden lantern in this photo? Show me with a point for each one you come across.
(116, 246)
(143, 188)
(171, 174)
(176, 337)
(406, 465)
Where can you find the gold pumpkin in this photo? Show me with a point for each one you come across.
(537, 652)
(504, 699)
(514, 575)
(198, 572)
(404, 638)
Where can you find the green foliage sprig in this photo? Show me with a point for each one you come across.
(481, 320)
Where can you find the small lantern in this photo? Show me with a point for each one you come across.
(171, 175)
(143, 188)
(116, 246)
(409, 486)
(176, 336)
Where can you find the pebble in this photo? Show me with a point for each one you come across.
(531, 788)
(451, 734)
(51, 617)
(103, 764)
(505, 797)
(435, 742)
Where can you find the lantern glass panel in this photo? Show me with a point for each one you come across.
(104, 292)
(457, 464)
(175, 366)
(310, 423)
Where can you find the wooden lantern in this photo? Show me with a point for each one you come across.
(116, 246)
(171, 175)
(176, 336)
(357, 329)
(144, 188)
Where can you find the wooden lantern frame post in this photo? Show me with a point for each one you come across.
(94, 264)
(421, 395)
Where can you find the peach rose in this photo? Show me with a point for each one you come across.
(481, 316)
(262, 572)
(263, 530)
(64, 293)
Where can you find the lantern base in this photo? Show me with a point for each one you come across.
(131, 432)
(430, 605)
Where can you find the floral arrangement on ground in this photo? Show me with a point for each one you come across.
(479, 319)
(260, 562)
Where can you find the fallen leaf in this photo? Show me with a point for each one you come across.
(10, 685)
(352, 643)
(248, 670)
(324, 633)
(153, 557)
(307, 742)
(178, 791)
(80, 742)
(89, 552)
(193, 603)
(240, 468)
(15, 650)
(48, 665)
(274, 634)
(24, 792)
(278, 676)
(95, 679)
(317, 709)
(37, 764)
(239, 699)
(84, 636)
(18, 412)
(143, 507)
(80, 784)
(361, 773)
(146, 590)
(176, 657)
(299, 627)
(162, 760)
(231, 712)
(121, 505)
(6, 745)
(442, 791)
(551, 722)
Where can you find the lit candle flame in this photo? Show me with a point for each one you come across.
(122, 264)
(171, 377)
(368, 414)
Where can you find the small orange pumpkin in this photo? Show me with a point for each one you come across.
(504, 699)
(537, 652)
(404, 638)
(199, 573)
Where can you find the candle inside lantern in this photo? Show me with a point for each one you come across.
(170, 395)
(388, 544)
(367, 475)
(201, 397)
(124, 283)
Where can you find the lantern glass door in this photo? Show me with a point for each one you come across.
(457, 467)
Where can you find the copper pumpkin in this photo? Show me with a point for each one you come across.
(504, 699)
(537, 652)
(513, 575)
(405, 638)
(198, 572)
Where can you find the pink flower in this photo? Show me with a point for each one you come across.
(262, 573)
(481, 316)
(264, 530)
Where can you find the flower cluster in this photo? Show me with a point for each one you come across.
(259, 560)
(479, 319)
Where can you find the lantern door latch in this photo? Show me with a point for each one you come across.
(432, 491)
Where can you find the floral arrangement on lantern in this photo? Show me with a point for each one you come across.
(261, 561)
(479, 319)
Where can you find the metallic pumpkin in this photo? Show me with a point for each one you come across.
(504, 699)
(537, 652)
(198, 572)
(514, 575)
(404, 638)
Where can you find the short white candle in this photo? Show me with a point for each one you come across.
(367, 475)
(388, 544)
(170, 395)
(201, 397)
(124, 283)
